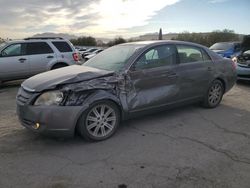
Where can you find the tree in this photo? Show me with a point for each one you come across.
(84, 41)
(116, 41)
(208, 39)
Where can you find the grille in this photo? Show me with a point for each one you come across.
(23, 96)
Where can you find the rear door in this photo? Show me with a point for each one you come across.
(65, 51)
(195, 69)
(13, 62)
(40, 55)
(153, 79)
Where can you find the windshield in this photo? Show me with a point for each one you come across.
(221, 46)
(112, 59)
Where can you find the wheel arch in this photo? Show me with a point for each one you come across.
(223, 82)
(58, 63)
(97, 96)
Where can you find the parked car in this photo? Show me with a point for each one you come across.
(227, 49)
(91, 55)
(120, 83)
(25, 58)
(90, 50)
(243, 65)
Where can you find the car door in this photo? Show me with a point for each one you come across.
(40, 55)
(13, 62)
(153, 79)
(65, 51)
(195, 70)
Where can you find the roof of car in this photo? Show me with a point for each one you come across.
(38, 39)
(158, 42)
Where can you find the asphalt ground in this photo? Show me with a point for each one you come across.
(187, 147)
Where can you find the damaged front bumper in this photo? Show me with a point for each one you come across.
(49, 120)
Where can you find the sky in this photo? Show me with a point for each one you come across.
(126, 18)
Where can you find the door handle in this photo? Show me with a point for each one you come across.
(22, 60)
(172, 75)
(50, 56)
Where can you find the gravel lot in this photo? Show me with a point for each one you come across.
(185, 147)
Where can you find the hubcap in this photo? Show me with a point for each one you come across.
(215, 94)
(101, 120)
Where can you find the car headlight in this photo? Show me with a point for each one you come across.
(49, 98)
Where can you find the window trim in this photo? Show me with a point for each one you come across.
(132, 66)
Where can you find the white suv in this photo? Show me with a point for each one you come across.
(25, 58)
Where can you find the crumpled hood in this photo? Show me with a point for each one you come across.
(67, 75)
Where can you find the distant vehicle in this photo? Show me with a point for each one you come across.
(82, 49)
(243, 60)
(122, 82)
(227, 49)
(24, 58)
(86, 58)
(88, 51)
(93, 54)
(243, 65)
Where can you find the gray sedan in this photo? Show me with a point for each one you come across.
(122, 82)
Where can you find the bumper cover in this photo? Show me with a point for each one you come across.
(54, 120)
(243, 72)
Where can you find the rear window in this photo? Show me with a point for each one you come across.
(38, 48)
(62, 46)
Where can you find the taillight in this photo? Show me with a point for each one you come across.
(75, 57)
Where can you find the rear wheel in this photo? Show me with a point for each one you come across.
(214, 94)
(100, 121)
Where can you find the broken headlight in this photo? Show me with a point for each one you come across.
(49, 98)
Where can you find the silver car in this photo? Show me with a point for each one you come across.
(28, 57)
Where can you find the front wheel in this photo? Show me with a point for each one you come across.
(214, 94)
(100, 121)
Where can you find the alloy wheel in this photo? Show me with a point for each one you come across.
(101, 120)
(215, 93)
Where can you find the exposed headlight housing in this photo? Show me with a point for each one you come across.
(49, 98)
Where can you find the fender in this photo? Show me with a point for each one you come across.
(99, 95)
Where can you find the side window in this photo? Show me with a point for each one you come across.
(12, 50)
(62, 46)
(157, 57)
(189, 54)
(35, 48)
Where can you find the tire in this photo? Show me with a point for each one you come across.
(214, 94)
(93, 125)
(58, 66)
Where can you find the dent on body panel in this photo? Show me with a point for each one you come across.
(86, 92)
(155, 95)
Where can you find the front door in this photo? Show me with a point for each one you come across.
(13, 62)
(153, 80)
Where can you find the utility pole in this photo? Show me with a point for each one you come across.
(160, 34)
